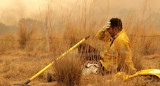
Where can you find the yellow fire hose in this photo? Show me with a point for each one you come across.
(49, 65)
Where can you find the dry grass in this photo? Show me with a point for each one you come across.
(3, 82)
(145, 81)
(68, 71)
(7, 42)
(59, 43)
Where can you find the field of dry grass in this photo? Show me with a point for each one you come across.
(24, 53)
(19, 64)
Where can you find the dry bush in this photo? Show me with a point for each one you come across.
(68, 71)
(25, 33)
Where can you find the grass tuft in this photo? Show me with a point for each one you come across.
(68, 71)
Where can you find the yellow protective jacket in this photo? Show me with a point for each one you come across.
(118, 53)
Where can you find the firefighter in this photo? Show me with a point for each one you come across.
(117, 56)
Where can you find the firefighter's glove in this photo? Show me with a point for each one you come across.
(106, 26)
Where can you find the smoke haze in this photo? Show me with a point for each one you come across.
(11, 11)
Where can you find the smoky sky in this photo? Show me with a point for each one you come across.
(13, 10)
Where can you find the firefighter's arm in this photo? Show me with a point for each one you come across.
(100, 34)
(103, 35)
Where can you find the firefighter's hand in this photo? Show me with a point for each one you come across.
(106, 26)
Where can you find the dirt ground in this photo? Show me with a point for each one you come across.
(18, 66)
